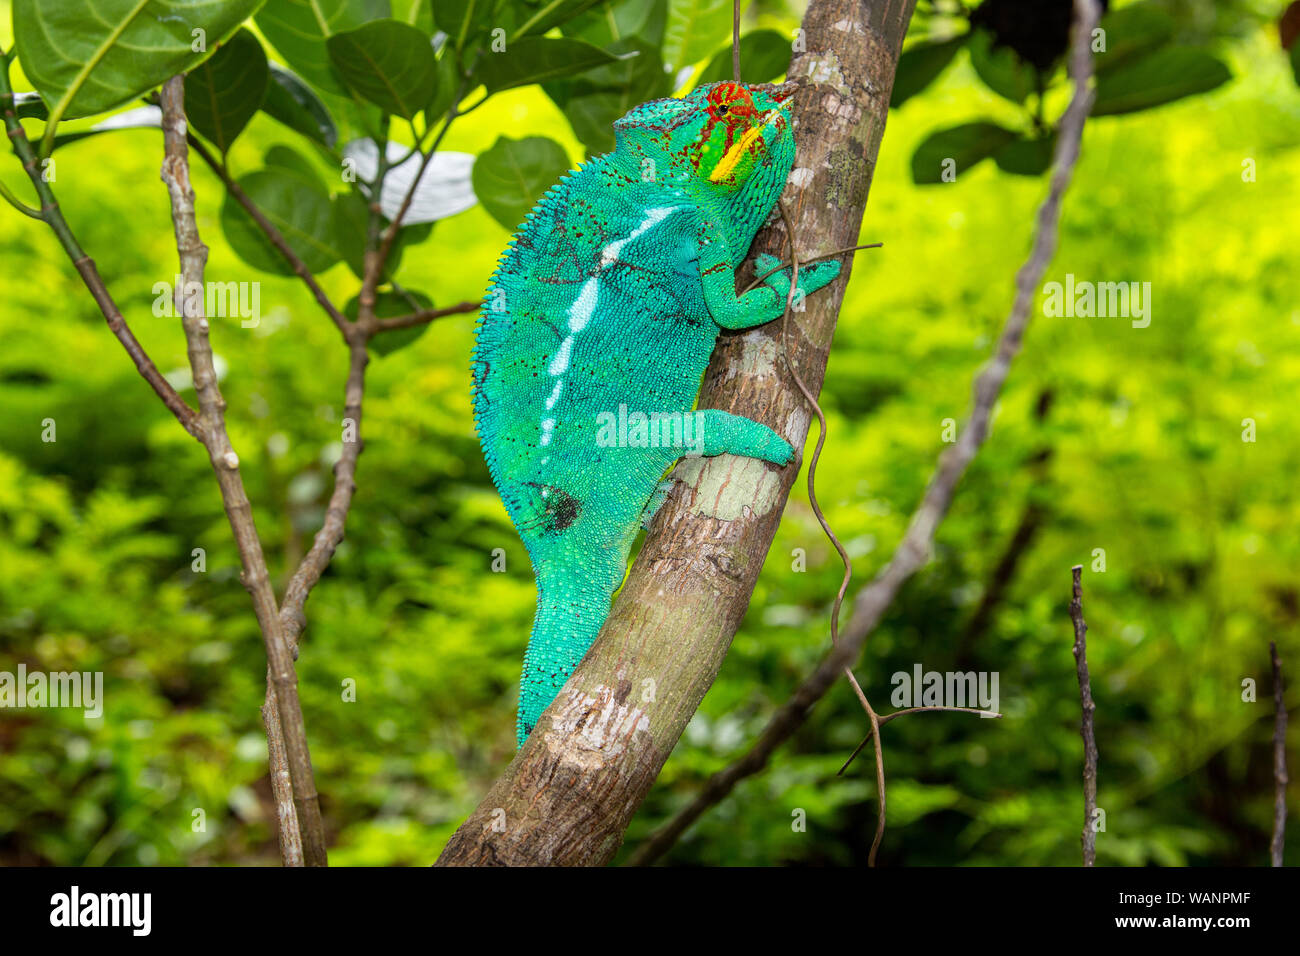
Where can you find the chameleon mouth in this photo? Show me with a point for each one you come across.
(727, 164)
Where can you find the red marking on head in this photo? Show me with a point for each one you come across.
(729, 103)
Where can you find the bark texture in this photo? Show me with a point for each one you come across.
(567, 797)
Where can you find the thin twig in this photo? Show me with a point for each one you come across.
(371, 280)
(1280, 778)
(17, 203)
(735, 45)
(826, 527)
(85, 266)
(913, 551)
(886, 718)
(193, 259)
(1085, 728)
(421, 317)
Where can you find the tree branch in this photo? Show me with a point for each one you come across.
(422, 317)
(332, 530)
(1089, 836)
(193, 259)
(571, 790)
(914, 550)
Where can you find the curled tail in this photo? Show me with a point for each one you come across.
(571, 607)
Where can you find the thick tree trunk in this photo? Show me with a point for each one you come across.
(568, 795)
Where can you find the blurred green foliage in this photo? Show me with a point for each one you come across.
(1107, 437)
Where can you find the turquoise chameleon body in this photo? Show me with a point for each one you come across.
(594, 336)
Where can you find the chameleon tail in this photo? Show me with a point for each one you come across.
(571, 608)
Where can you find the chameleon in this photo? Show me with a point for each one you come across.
(594, 335)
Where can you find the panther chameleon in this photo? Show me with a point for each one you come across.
(594, 335)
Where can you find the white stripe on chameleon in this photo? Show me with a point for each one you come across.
(560, 363)
(584, 307)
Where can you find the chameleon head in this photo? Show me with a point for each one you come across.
(742, 131)
(718, 141)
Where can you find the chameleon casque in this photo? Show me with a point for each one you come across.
(594, 336)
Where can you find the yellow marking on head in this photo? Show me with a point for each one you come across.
(732, 156)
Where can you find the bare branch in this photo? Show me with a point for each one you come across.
(735, 41)
(377, 255)
(286, 814)
(886, 718)
(1280, 778)
(331, 533)
(914, 550)
(422, 317)
(193, 259)
(1086, 728)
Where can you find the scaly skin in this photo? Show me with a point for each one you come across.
(602, 316)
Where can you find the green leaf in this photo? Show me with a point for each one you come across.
(694, 28)
(416, 13)
(462, 20)
(1160, 77)
(88, 56)
(391, 64)
(920, 65)
(445, 88)
(292, 102)
(1026, 157)
(536, 60)
(513, 174)
(392, 305)
(621, 20)
(299, 29)
(965, 145)
(224, 92)
(1001, 68)
(1132, 31)
(764, 55)
(283, 157)
(550, 13)
(300, 211)
(593, 101)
